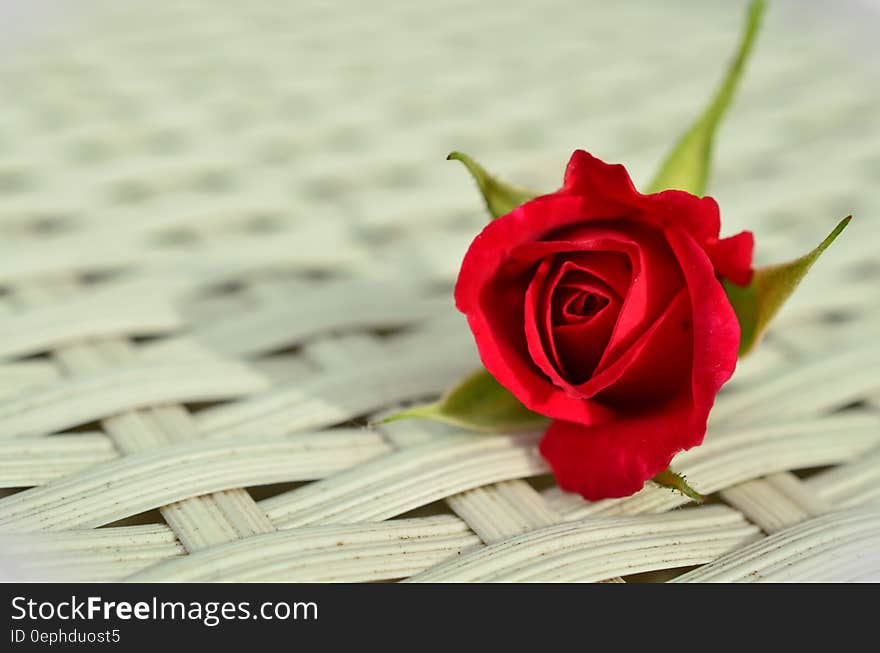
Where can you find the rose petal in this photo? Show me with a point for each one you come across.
(579, 339)
(537, 321)
(581, 345)
(490, 254)
(589, 176)
(663, 365)
(655, 336)
(617, 371)
(493, 307)
(612, 268)
(715, 327)
(492, 284)
(732, 257)
(575, 305)
(699, 216)
(610, 185)
(606, 254)
(573, 358)
(655, 274)
(616, 457)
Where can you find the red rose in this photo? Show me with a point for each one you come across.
(602, 308)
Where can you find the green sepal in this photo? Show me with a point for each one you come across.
(756, 304)
(668, 478)
(501, 198)
(479, 403)
(687, 166)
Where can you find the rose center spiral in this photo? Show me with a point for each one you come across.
(585, 304)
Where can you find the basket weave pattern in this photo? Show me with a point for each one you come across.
(227, 244)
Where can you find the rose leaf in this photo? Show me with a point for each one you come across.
(668, 478)
(501, 198)
(687, 166)
(479, 403)
(756, 304)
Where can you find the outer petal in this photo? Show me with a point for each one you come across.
(491, 291)
(715, 327)
(610, 183)
(732, 257)
(615, 458)
(587, 175)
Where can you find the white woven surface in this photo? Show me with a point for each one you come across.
(228, 235)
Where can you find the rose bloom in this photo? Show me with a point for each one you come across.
(602, 308)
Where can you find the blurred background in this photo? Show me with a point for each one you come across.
(228, 116)
(231, 157)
